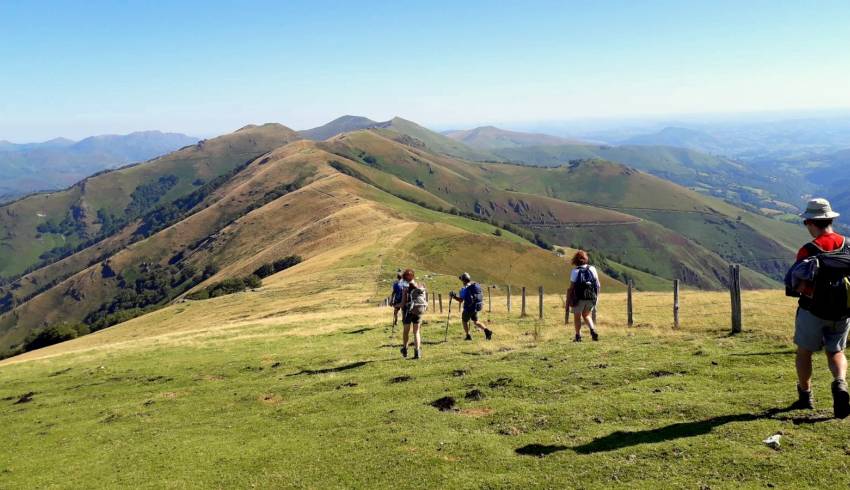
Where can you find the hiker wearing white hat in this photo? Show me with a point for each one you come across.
(820, 323)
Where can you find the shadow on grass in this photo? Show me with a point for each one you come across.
(338, 369)
(622, 439)
(767, 353)
(359, 330)
(808, 419)
(539, 450)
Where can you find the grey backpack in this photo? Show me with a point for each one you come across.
(417, 299)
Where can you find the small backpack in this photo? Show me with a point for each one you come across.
(831, 297)
(585, 285)
(473, 298)
(417, 299)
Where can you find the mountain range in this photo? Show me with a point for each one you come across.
(60, 162)
(124, 242)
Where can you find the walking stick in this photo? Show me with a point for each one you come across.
(451, 300)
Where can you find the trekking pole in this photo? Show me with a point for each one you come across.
(446, 338)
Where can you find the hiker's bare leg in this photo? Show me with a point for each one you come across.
(405, 334)
(395, 316)
(417, 338)
(588, 318)
(804, 369)
(577, 322)
(466, 327)
(837, 364)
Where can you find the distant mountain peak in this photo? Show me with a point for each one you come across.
(342, 124)
(491, 138)
(678, 136)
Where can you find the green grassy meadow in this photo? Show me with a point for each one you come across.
(298, 385)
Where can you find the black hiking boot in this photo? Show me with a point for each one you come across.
(840, 399)
(417, 354)
(404, 352)
(468, 337)
(805, 401)
(488, 334)
(577, 339)
(594, 335)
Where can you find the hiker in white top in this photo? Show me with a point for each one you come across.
(583, 293)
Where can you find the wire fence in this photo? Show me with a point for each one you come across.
(735, 309)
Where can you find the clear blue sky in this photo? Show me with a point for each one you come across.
(81, 68)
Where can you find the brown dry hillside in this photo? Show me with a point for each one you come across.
(621, 234)
(203, 215)
(290, 201)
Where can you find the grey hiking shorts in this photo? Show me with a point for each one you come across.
(583, 305)
(814, 333)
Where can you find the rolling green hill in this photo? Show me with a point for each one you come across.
(139, 238)
(343, 124)
(491, 137)
(410, 133)
(38, 229)
(703, 232)
(759, 190)
(292, 200)
(59, 163)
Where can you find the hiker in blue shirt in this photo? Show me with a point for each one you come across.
(398, 290)
(471, 295)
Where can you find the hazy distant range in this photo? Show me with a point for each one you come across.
(60, 162)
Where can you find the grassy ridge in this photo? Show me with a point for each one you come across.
(262, 388)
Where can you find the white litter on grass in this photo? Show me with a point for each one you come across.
(773, 441)
(41, 215)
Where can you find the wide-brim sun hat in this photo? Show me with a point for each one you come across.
(465, 277)
(819, 208)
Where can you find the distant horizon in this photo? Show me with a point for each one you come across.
(593, 123)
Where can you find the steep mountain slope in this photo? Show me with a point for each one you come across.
(40, 228)
(402, 130)
(491, 137)
(491, 192)
(140, 237)
(339, 125)
(831, 174)
(410, 133)
(738, 235)
(710, 174)
(291, 201)
(58, 163)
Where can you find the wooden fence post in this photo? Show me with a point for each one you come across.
(735, 295)
(567, 308)
(675, 303)
(489, 299)
(522, 309)
(540, 301)
(509, 298)
(434, 303)
(440, 300)
(629, 306)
